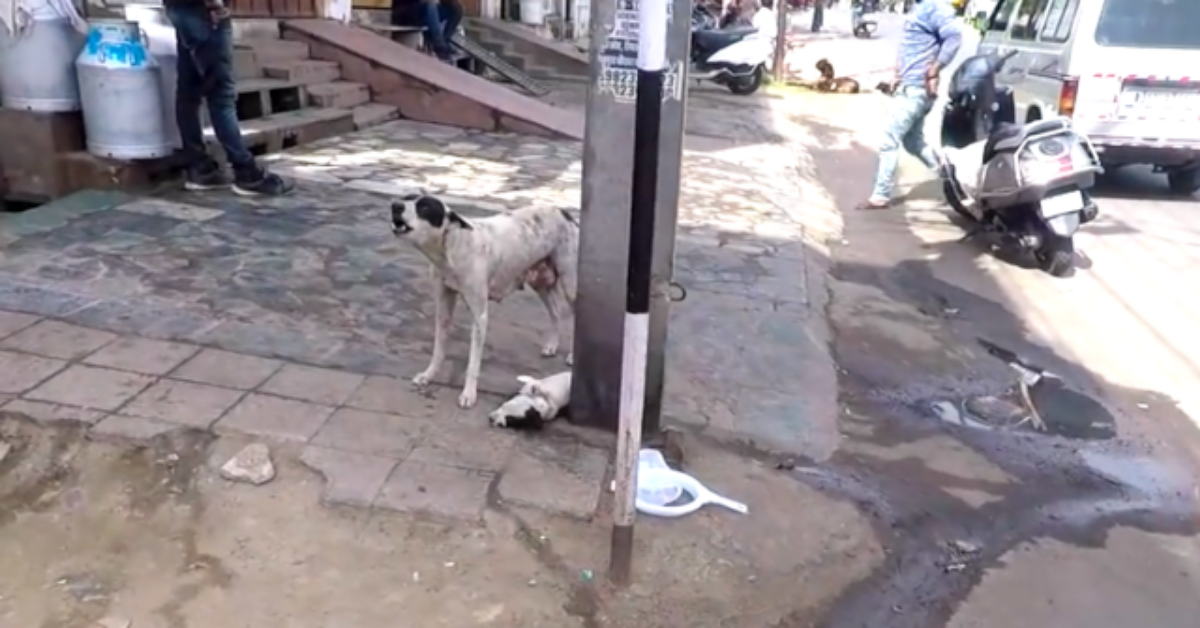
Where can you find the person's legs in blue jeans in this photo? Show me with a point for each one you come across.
(904, 130)
(451, 12)
(431, 18)
(202, 171)
(914, 141)
(205, 70)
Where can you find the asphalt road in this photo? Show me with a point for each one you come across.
(1090, 523)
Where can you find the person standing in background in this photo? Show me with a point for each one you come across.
(204, 43)
(931, 39)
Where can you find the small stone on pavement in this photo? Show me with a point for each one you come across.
(966, 547)
(113, 622)
(251, 465)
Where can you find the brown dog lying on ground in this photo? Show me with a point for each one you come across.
(831, 83)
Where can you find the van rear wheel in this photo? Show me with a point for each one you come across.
(1185, 182)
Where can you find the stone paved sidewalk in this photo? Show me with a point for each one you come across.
(317, 278)
(376, 440)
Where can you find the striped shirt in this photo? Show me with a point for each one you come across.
(931, 35)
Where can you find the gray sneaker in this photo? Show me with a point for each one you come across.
(269, 184)
(207, 178)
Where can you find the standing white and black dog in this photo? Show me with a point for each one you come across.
(485, 260)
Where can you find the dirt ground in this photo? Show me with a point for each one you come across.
(149, 533)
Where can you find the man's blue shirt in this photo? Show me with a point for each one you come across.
(932, 34)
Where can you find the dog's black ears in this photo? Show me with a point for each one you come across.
(433, 210)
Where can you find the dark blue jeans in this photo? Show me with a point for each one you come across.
(440, 19)
(206, 76)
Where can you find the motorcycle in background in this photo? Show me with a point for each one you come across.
(862, 26)
(1028, 183)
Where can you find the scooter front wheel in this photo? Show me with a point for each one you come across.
(1056, 256)
(955, 201)
(746, 85)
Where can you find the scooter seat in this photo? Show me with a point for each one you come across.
(711, 41)
(1008, 137)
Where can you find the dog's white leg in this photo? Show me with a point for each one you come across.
(550, 300)
(564, 303)
(442, 319)
(567, 304)
(478, 303)
(566, 260)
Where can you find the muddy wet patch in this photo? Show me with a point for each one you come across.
(149, 533)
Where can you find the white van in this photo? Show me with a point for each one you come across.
(1126, 71)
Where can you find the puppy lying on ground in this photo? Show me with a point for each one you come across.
(538, 402)
(485, 260)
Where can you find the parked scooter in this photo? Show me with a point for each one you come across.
(737, 57)
(1027, 183)
(862, 26)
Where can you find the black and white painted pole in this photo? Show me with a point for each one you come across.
(651, 80)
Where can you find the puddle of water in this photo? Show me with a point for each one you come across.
(1139, 473)
(1070, 413)
(1065, 412)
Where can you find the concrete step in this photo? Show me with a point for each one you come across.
(245, 64)
(255, 29)
(274, 50)
(281, 131)
(343, 94)
(373, 114)
(307, 72)
(426, 90)
(260, 97)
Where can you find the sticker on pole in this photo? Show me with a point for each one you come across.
(618, 58)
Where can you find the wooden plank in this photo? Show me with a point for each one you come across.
(274, 8)
(250, 8)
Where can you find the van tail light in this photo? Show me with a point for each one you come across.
(1066, 96)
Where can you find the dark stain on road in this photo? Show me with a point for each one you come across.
(1073, 481)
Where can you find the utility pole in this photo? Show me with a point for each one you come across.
(605, 222)
(781, 32)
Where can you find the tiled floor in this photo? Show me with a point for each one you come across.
(377, 441)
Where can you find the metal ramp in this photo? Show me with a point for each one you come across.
(504, 68)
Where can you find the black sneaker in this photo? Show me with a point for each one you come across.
(268, 184)
(200, 179)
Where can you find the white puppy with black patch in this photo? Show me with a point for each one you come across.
(486, 260)
(537, 403)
